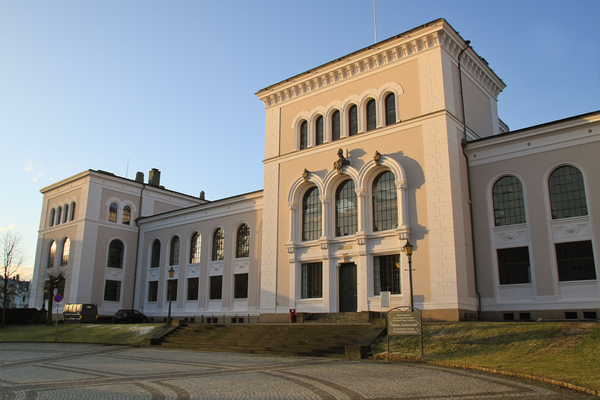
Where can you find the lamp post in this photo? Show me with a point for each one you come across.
(171, 274)
(408, 249)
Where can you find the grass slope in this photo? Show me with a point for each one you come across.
(565, 351)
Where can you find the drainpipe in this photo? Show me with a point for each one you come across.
(137, 247)
(463, 145)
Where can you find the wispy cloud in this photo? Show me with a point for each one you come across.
(8, 228)
(68, 165)
(35, 178)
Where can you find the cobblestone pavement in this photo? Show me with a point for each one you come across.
(79, 371)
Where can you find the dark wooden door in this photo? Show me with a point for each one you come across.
(347, 288)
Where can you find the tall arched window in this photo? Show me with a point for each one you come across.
(58, 214)
(174, 253)
(311, 215)
(155, 257)
(371, 115)
(352, 121)
(65, 252)
(112, 212)
(218, 245)
(303, 135)
(385, 202)
(195, 248)
(115, 254)
(242, 247)
(346, 214)
(65, 213)
(51, 254)
(51, 219)
(319, 130)
(335, 126)
(390, 109)
(567, 193)
(126, 219)
(509, 204)
(72, 211)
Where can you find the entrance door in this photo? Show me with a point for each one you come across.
(347, 287)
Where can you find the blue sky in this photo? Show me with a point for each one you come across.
(170, 85)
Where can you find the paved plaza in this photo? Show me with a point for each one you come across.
(79, 371)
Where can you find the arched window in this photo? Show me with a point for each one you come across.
(58, 214)
(390, 109)
(335, 126)
(371, 115)
(65, 252)
(65, 213)
(115, 254)
(174, 253)
(126, 219)
(303, 135)
(311, 215)
(385, 202)
(72, 211)
(155, 258)
(112, 212)
(52, 213)
(195, 248)
(509, 204)
(218, 245)
(319, 130)
(352, 121)
(567, 193)
(242, 247)
(51, 253)
(346, 214)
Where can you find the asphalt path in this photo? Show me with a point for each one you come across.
(78, 371)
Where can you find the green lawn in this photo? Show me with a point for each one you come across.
(565, 351)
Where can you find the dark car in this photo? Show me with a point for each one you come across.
(129, 316)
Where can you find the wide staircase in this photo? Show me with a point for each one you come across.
(315, 339)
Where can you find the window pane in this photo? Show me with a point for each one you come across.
(390, 109)
(152, 291)
(352, 121)
(112, 212)
(567, 193)
(240, 286)
(66, 213)
(112, 291)
(126, 215)
(387, 274)
(319, 130)
(371, 117)
(312, 280)
(174, 253)
(311, 215)
(155, 258)
(65, 252)
(216, 286)
(72, 211)
(513, 266)
(335, 126)
(192, 292)
(303, 135)
(172, 283)
(346, 210)
(385, 203)
(58, 214)
(218, 245)
(509, 203)
(575, 261)
(115, 254)
(51, 254)
(243, 242)
(52, 212)
(195, 248)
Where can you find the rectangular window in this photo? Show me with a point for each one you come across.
(575, 261)
(152, 291)
(192, 292)
(112, 291)
(216, 287)
(312, 280)
(513, 265)
(173, 284)
(387, 274)
(240, 286)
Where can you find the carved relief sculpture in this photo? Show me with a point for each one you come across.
(341, 162)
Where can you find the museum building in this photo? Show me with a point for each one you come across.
(400, 141)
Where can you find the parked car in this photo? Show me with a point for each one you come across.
(129, 316)
(80, 313)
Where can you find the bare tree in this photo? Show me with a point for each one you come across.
(55, 279)
(12, 257)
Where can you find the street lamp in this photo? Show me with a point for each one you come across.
(408, 249)
(171, 274)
